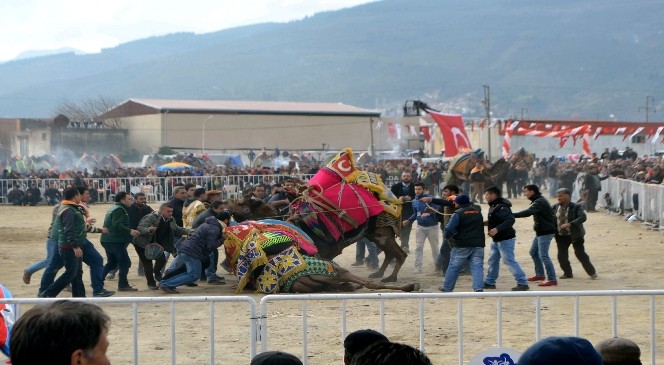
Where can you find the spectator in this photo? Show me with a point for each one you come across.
(561, 350)
(619, 351)
(53, 195)
(33, 195)
(16, 196)
(390, 353)
(275, 358)
(60, 333)
(359, 341)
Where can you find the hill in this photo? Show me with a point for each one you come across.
(562, 59)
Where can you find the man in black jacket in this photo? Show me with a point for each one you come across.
(569, 218)
(545, 227)
(500, 223)
(405, 191)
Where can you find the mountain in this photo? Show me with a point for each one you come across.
(547, 59)
(46, 52)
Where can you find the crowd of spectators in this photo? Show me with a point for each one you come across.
(550, 172)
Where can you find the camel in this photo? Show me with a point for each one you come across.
(462, 164)
(381, 230)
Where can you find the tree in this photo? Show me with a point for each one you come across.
(89, 110)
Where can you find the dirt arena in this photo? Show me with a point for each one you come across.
(626, 257)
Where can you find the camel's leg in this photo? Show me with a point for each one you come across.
(346, 276)
(384, 238)
(306, 284)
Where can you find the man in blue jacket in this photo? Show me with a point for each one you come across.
(206, 238)
(427, 226)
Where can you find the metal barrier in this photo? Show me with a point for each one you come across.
(156, 189)
(152, 304)
(526, 302)
(439, 300)
(645, 200)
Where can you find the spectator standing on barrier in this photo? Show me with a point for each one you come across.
(53, 195)
(500, 222)
(157, 227)
(117, 239)
(61, 333)
(177, 202)
(359, 341)
(193, 250)
(465, 230)
(69, 225)
(569, 218)
(427, 226)
(405, 191)
(545, 227)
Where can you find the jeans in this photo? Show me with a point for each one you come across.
(539, 251)
(51, 249)
(73, 275)
(461, 255)
(443, 259)
(91, 257)
(563, 243)
(426, 233)
(193, 266)
(211, 270)
(404, 236)
(553, 186)
(117, 256)
(360, 247)
(504, 249)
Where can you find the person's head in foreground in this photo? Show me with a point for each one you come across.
(359, 340)
(619, 351)
(61, 333)
(390, 353)
(561, 350)
(275, 358)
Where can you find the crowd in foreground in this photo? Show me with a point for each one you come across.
(73, 333)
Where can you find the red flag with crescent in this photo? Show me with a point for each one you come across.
(426, 132)
(453, 131)
(343, 163)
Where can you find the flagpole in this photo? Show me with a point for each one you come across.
(372, 151)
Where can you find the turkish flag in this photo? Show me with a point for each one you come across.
(453, 131)
(426, 132)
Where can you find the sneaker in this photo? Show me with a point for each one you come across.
(110, 277)
(489, 286)
(191, 285)
(594, 276)
(548, 283)
(224, 265)
(521, 287)
(536, 278)
(357, 263)
(153, 287)
(479, 290)
(217, 281)
(565, 276)
(103, 293)
(418, 270)
(127, 288)
(169, 290)
(26, 277)
(443, 290)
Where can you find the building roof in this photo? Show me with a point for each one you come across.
(134, 107)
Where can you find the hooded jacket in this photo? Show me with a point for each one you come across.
(205, 239)
(501, 217)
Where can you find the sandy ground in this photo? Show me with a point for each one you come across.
(626, 256)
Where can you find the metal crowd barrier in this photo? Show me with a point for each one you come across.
(644, 200)
(402, 317)
(156, 189)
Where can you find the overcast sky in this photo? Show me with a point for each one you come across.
(90, 26)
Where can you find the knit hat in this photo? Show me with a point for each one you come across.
(361, 339)
(619, 350)
(462, 199)
(275, 358)
(561, 350)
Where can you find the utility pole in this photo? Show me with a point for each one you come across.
(487, 108)
(522, 110)
(648, 107)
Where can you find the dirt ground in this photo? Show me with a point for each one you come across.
(626, 257)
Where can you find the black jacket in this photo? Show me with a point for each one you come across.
(542, 214)
(407, 208)
(575, 216)
(501, 217)
(470, 229)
